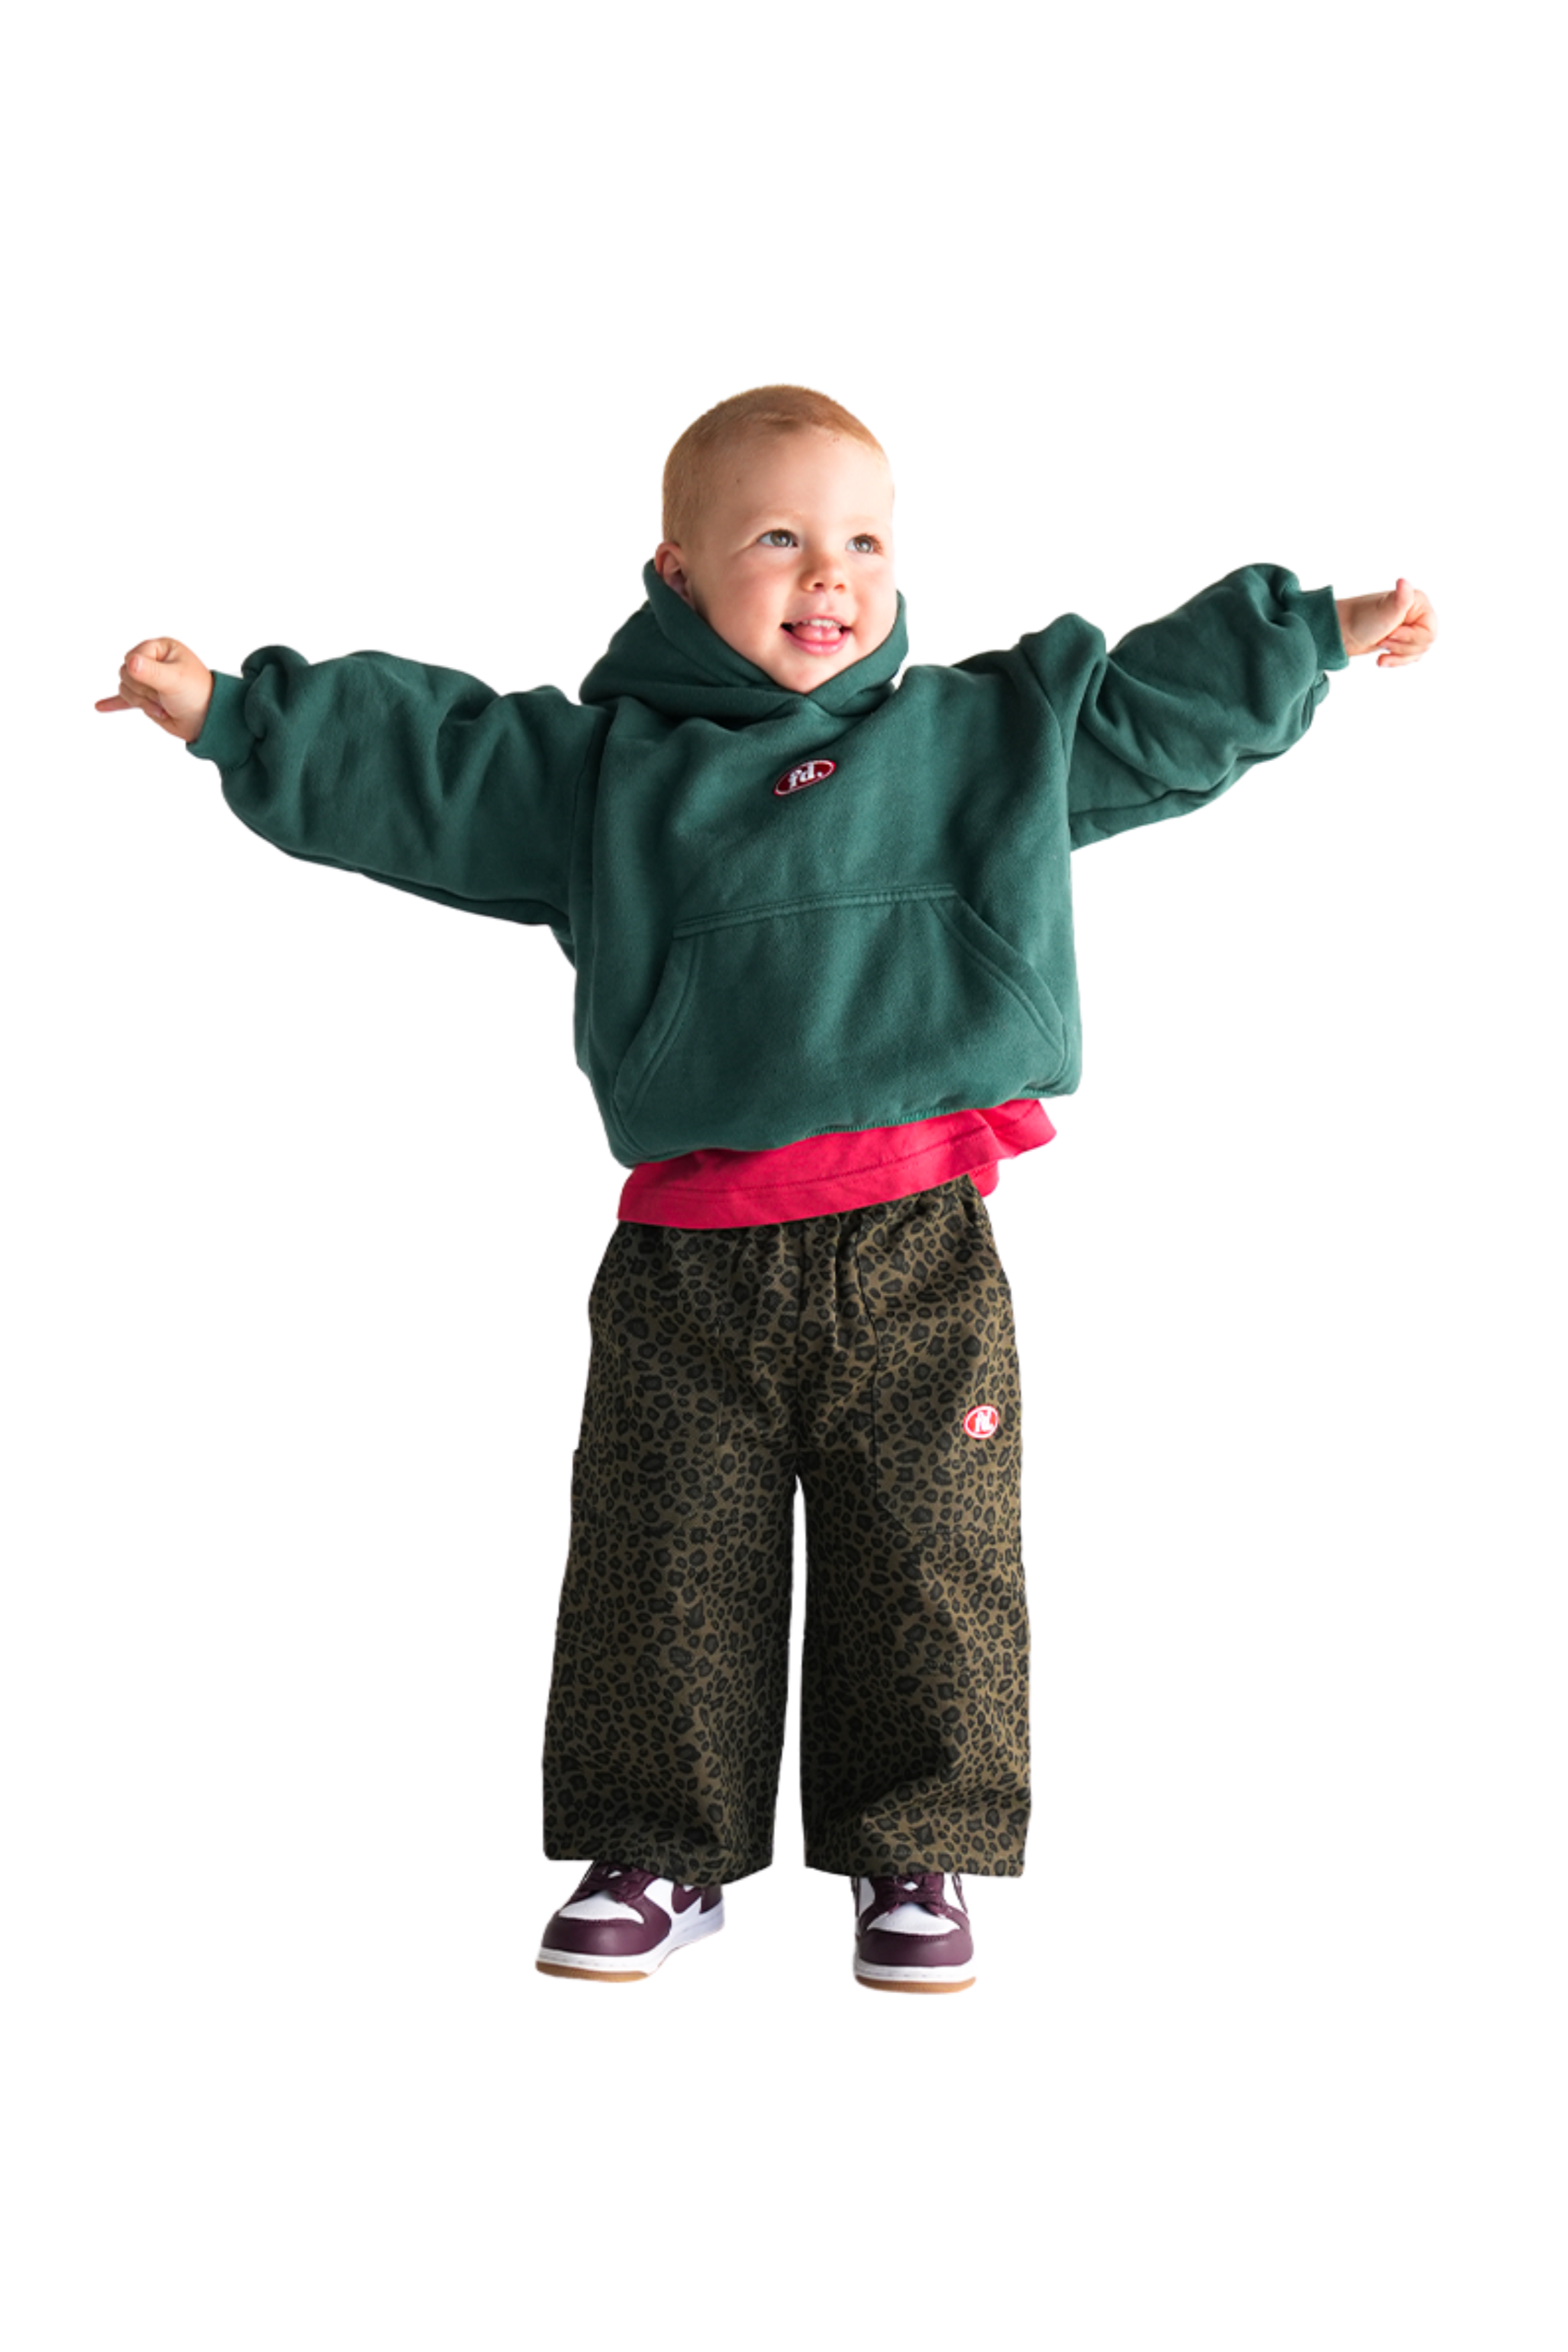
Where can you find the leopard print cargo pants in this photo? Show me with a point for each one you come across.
(870, 1355)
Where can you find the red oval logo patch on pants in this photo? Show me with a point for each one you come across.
(982, 1421)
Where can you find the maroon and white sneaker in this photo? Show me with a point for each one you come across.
(911, 1935)
(623, 1924)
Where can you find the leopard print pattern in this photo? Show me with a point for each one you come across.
(849, 1352)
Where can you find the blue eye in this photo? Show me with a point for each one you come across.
(776, 537)
(865, 540)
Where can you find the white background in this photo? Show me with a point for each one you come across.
(350, 328)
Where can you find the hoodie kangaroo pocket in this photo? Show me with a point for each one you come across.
(865, 1009)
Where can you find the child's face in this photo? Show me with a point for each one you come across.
(793, 561)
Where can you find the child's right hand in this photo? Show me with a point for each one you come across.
(165, 679)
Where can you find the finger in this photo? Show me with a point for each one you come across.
(1415, 629)
(137, 689)
(114, 702)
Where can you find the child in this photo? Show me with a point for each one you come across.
(821, 924)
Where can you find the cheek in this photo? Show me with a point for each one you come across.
(762, 604)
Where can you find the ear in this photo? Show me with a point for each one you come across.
(670, 566)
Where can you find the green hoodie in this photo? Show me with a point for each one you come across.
(788, 913)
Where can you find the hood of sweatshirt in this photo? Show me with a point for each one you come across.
(668, 657)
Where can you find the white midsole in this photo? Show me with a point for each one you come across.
(962, 1974)
(642, 1964)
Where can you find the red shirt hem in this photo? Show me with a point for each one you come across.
(822, 1175)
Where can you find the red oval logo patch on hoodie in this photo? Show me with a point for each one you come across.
(982, 1421)
(810, 771)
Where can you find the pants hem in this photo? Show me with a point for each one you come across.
(1008, 1866)
(685, 1869)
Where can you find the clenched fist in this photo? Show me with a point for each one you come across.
(165, 679)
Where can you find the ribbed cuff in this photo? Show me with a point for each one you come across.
(225, 737)
(1318, 609)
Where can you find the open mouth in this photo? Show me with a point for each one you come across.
(818, 636)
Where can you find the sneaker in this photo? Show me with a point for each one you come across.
(623, 1924)
(911, 1935)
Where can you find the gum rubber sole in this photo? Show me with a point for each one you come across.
(907, 1984)
(593, 1975)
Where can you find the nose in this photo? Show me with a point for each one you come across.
(821, 568)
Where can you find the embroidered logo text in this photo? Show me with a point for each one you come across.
(810, 771)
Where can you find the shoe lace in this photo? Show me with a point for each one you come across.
(922, 1887)
(925, 1886)
(615, 1879)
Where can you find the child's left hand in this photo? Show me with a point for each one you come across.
(1401, 621)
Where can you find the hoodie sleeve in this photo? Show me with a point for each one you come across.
(416, 776)
(1185, 705)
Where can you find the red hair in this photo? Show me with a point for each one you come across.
(772, 408)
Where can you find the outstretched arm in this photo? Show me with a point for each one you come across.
(1167, 720)
(411, 775)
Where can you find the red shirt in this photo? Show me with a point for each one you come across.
(826, 1173)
